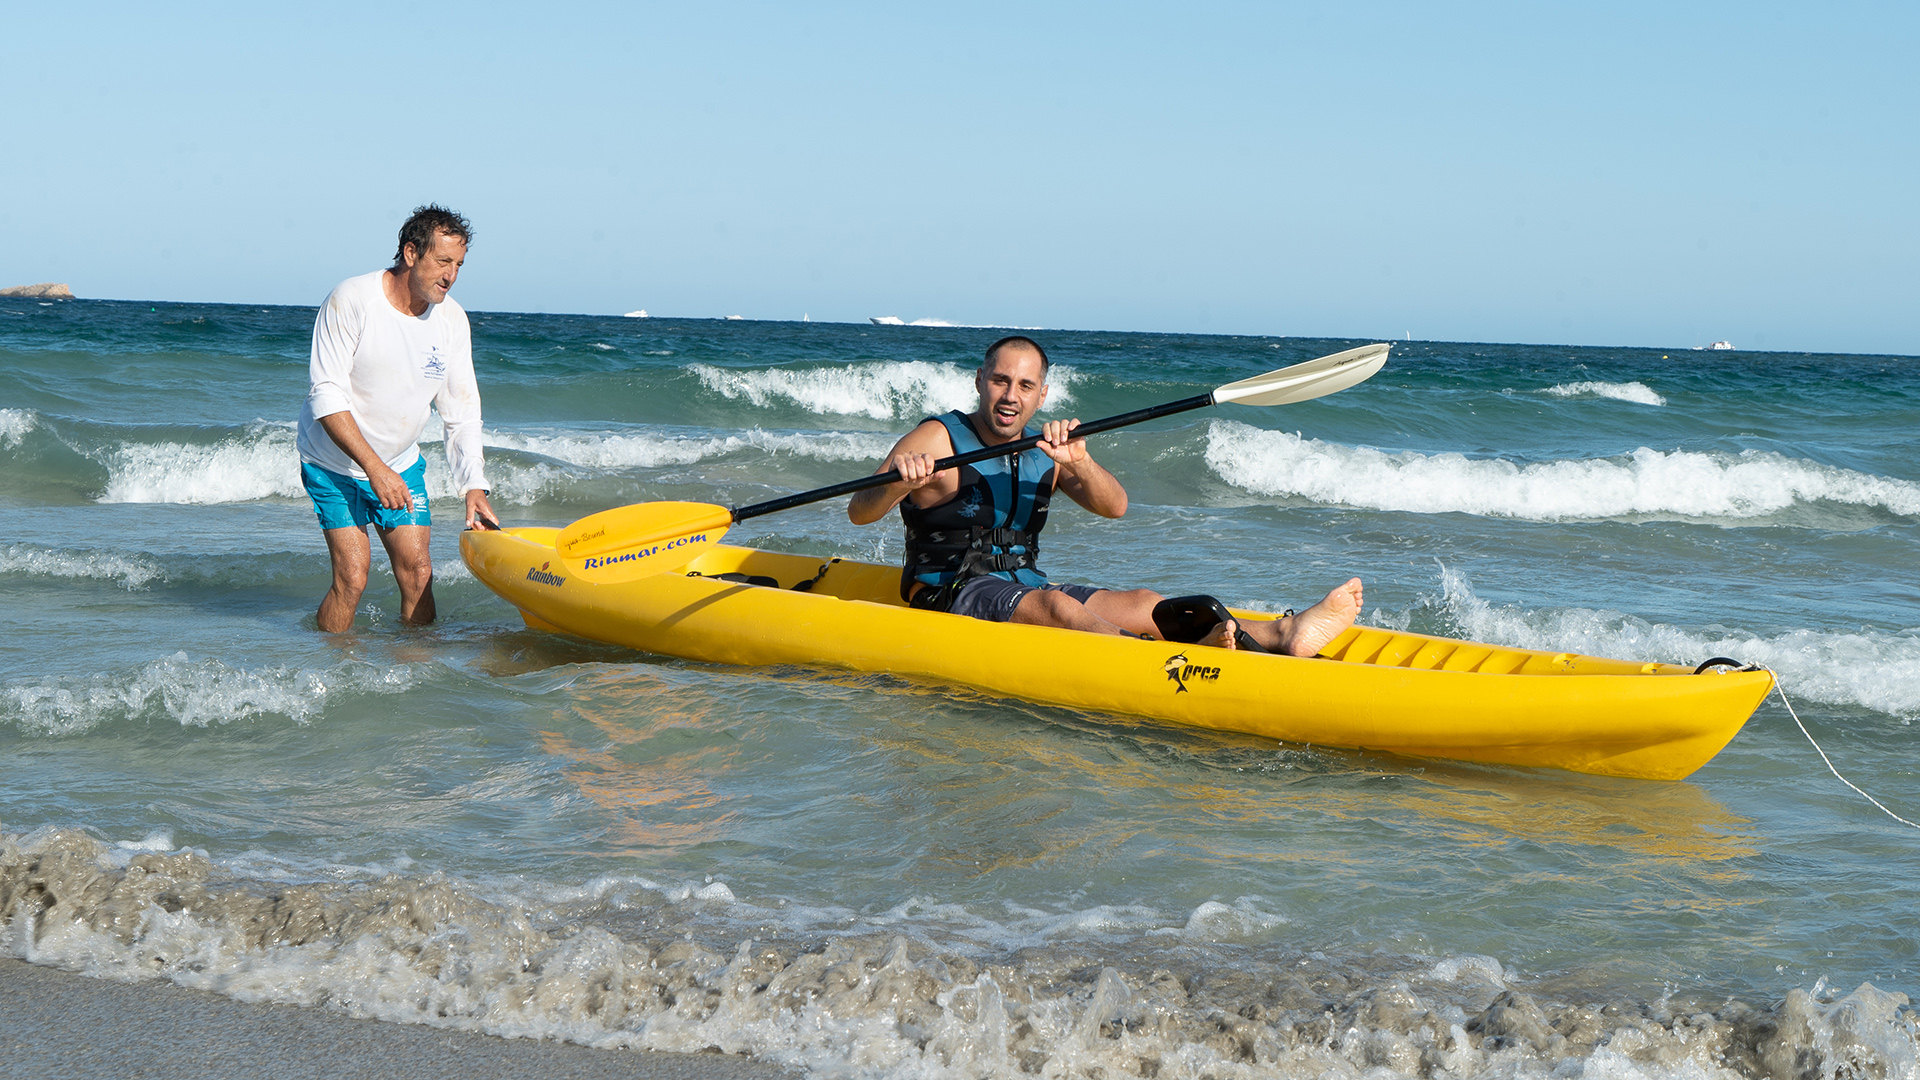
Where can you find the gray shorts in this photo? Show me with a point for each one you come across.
(994, 598)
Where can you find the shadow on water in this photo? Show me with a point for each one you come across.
(1240, 783)
(508, 653)
(654, 768)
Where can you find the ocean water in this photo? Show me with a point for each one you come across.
(480, 826)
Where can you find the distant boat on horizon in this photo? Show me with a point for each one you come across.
(641, 314)
(736, 318)
(895, 320)
(1718, 346)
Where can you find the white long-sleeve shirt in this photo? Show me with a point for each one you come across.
(386, 368)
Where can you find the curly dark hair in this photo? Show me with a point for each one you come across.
(427, 220)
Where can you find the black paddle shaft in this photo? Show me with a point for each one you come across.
(1018, 446)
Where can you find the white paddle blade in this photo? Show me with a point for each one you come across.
(1304, 382)
(631, 542)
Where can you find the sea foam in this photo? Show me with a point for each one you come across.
(1678, 483)
(193, 693)
(14, 426)
(608, 450)
(1637, 392)
(1868, 668)
(881, 389)
(264, 463)
(261, 464)
(524, 483)
(396, 945)
(132, 571)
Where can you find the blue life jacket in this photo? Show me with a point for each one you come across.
(991, 525)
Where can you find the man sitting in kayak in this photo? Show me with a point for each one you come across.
(973, 532)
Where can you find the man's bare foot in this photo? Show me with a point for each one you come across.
(1308, 632)
(1222, 636)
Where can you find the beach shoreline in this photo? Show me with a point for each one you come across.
(56, 1023)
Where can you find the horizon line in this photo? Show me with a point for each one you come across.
(1368, 338)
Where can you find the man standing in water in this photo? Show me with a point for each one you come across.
(386, 346)
(973, 532)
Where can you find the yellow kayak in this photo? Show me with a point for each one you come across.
(1369, 689)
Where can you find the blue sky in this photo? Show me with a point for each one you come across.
(1657, 174)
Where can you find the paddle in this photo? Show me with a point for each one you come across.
(635, 541)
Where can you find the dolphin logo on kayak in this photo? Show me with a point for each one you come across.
(1175, 666)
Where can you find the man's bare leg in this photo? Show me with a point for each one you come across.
(412, 571)
(1302, 634)
(1051, 607)
(1130, 614)
(1130, 610)
(351, 555)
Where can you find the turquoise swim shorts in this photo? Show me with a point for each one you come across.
(345, 503)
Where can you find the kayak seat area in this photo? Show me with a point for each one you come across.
(846, 579)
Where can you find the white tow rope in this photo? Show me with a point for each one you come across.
(1825, 758)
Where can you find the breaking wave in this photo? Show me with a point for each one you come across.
(14, 426)
(607, 450)
(1872, 669)
(193, 693)
(1682, 483)
(135, 569)
(261, 464)
(1637, 392)
(881, 389)
(132, 571)
(623, 962)
(577, 455)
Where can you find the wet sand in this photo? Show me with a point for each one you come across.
(57, 1024)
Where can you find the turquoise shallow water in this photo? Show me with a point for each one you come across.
(554, 805)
